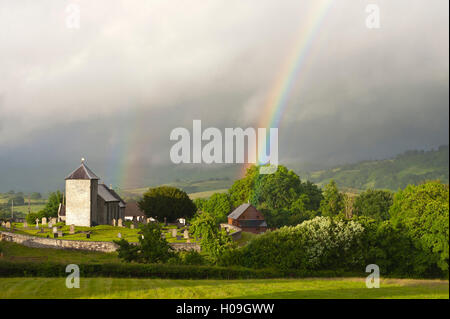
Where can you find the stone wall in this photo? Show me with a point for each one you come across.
(101, 246)
(237, 234)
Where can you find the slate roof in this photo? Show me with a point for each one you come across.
(82, 172)
(239, 211)
(121, 201)
(105, 193)
(252, 223)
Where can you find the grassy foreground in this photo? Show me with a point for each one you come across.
(312, 288)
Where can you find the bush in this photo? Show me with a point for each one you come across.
(152, 247)
(134, 270)
(318, 244)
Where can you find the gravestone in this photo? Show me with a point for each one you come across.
(60, 233)
(119, 235)
(188, 240)
(50, 225)
(114, 222)
(8, 225)
(174, 232)
(148, 220)
(72, 229)
(88, 235)
(44, 221)
(186, 234)
(53, 220)
(37, 223)
(165, 221)
(179, 237)
(132, 226)
(120, 222)
(3, 224)
(25, 224)
(55, 230)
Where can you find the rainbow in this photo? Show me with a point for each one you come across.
(121, 163)
(290, 72)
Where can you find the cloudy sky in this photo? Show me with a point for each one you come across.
(113, 89)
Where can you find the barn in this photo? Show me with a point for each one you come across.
(248, 218)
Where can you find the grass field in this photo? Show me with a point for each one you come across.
(312, 288)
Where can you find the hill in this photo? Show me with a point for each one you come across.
(411, 167)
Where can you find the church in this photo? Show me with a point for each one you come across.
(90, 203)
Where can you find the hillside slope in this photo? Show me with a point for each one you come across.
(411, 167)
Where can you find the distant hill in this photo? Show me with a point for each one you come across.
(411, 167)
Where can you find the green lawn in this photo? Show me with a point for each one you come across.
(98, 233)
(353, 288)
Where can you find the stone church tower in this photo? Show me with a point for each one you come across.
(81, 197)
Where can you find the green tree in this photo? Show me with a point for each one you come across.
(424, 211)
(374, 204)
(152, 247)
(51, 208)
(167, 201)
(333, 201)
(218, 205)
(214, 241)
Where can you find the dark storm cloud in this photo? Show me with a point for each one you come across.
(133, 72)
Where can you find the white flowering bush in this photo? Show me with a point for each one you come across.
(317, 244)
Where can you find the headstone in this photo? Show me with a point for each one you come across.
(179, 237)
(132, 226)
(44, 221)
(186, 234)
(60, 233)
(50, 225)
(54, 220)
(114, 222)
(120, 222)
(188, 240)
(55, 235)
(8, 224)
(148, 220)
(88, 235)
(72, 229)
(37, 223)
(55, 230)
(119, 235)
(3, 224)
(25, 224)
(165, 221)
(174, 232)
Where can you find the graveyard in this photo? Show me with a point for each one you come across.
(107, 233)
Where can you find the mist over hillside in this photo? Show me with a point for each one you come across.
(410, 167)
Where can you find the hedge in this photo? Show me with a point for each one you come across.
(163, 271)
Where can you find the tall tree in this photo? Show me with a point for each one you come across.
(333, 201)
(167, 201)
(374, 204)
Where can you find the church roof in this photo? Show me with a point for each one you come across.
(82, 172)
(239, 211)
(105, 193)
(121, 201)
